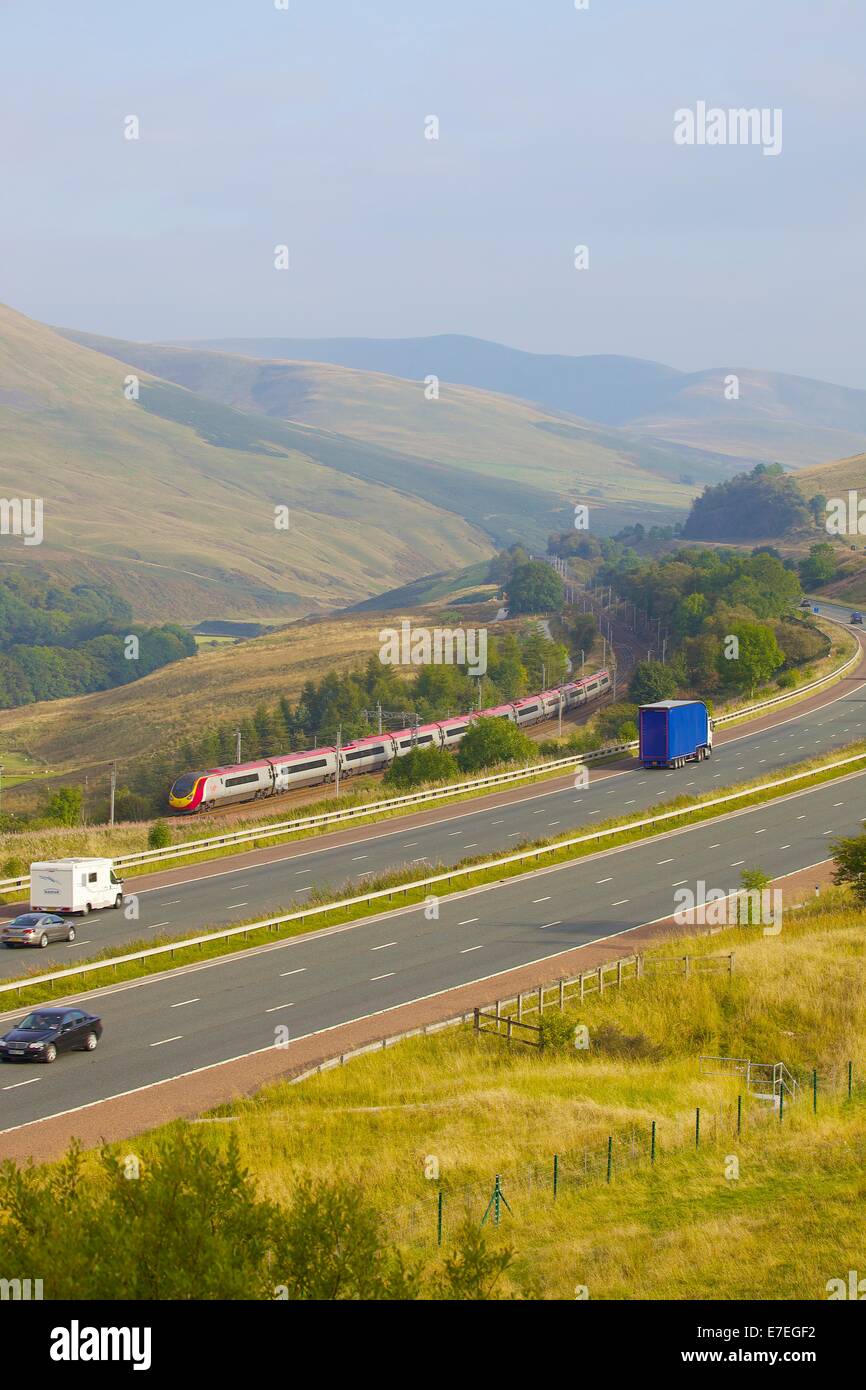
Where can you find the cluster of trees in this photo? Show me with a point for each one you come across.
(762, 503)
(530, 586)
(728, 615)
(56, 642)
(188, 1222)
(819, 566)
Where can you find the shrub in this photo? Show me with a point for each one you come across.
(159, 835)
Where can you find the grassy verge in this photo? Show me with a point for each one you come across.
(550, 852)
(681, 1228)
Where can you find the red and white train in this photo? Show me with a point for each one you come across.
(226, 786)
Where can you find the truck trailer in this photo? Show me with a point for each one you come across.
(74, 885)
(674, 732)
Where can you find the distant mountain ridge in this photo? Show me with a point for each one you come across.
(777, 417)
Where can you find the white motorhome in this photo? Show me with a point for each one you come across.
(74, 885)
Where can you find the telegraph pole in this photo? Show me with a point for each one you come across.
(560, 712)
(1, 788)
(582, 660)
(237, 744)
(113, 790)
(339, 746)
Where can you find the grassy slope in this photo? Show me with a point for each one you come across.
(212, 686)
(496, 436)
(789, 1223)
(154, 498)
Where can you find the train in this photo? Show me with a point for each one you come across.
(194, 792)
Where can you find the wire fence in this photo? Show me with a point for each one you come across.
(436, 1218)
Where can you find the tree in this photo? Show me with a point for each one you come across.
(493, 740)
(534, 587)
(758, 656)
(651, 682)
(850, 856)
(420, 765)
(819, 566)
(64, 807)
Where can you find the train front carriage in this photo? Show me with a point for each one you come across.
(452, 730)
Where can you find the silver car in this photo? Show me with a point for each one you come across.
(36, 929)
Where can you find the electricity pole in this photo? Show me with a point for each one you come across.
(113, 790)
(1, 788)
(339, 746)
(582, 660)
(237, 745)
(560, 712)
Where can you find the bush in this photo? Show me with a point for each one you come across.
(14, 868)
(787, 680)
(492, 740)
(419, 766)
(159, 835)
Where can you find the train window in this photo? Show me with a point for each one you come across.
(528, 709)
(289, 768)
(364, 753)
(242, 781)
(452, 733)
(416, 743)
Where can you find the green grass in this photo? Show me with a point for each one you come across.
(794, 1218)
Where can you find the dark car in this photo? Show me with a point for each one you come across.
(857, 617)
(36, 929)
(41, 1035)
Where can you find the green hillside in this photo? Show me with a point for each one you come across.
(170, 500)
(536, 459)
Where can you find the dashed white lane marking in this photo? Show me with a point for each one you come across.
(664, 861)
(620, 903)
(384, 946)
(545, 925)
(467, 949)
(276, 1007)
(542, 900)
(153, 925)
(468, 922)
(230, 906)
(177, 1038)
(181, 1002)
(172, 902)
(604, 880)
(16, 1084)
(737, 863)
(382, 977)
(284, 973)
(356, 857)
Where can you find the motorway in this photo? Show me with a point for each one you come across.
(202, 1014)
(216, 895)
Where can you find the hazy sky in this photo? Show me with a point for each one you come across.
(260, 126)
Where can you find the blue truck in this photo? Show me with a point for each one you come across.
(674, 732)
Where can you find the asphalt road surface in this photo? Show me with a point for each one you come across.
(199, 1015)
(226, 895)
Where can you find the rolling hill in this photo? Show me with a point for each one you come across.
(493, 437)
(171, 499)
(795, 420)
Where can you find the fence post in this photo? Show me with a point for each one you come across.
(739, 1113)
(498, 1013)
(731, 963)
(581, 986)
(698, 1127)
(439, 1218)
(686, 965)
(562, 994)
(609, 1155)
(814, 1091)
(508, 1029)
(601, 979)
(477, 1021)
(781, 1099)
(653, 1144)
(519, 1007)
(619, 972)
(555, 1175)
(850, 1078)
(639, 966)
(540, 1000)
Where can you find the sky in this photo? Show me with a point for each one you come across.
(305, 126)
